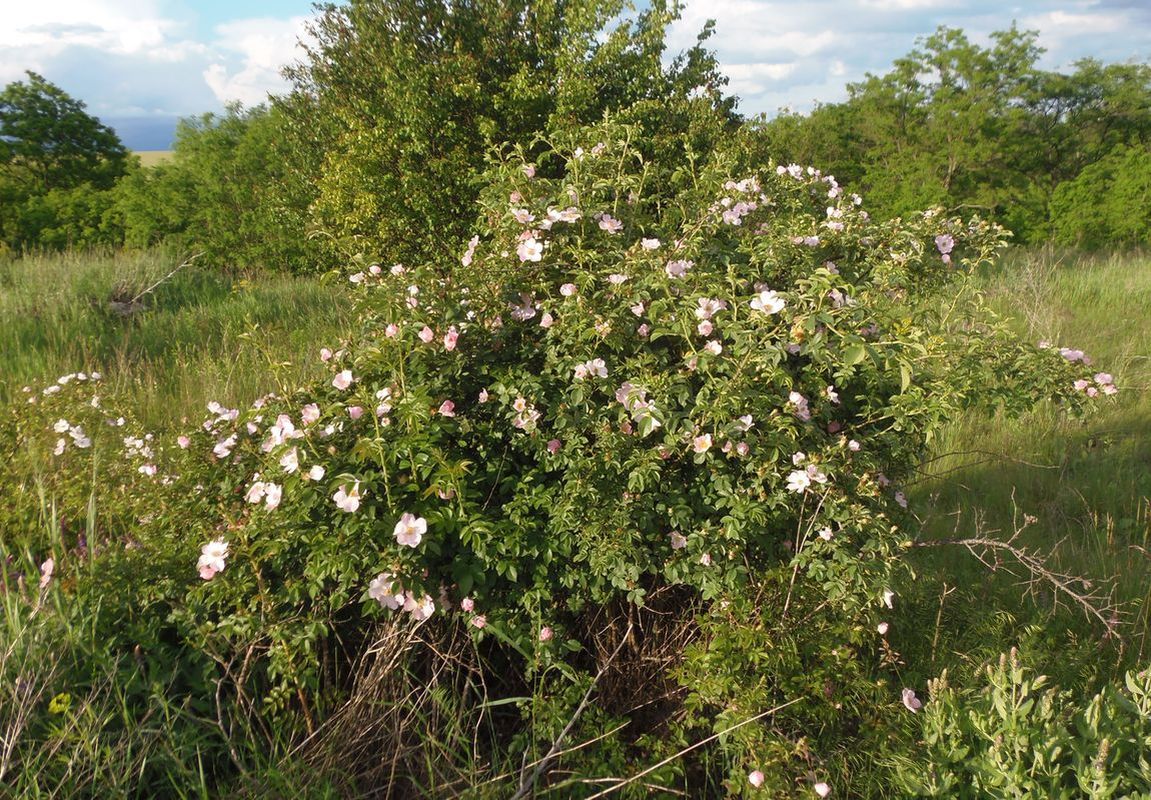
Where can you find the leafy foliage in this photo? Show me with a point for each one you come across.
(1019, 736)
(56, 163)
(972, 127)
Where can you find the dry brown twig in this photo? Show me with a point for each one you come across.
(1094, 598)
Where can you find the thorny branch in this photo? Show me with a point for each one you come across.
(1094, 598)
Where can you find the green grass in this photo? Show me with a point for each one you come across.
(197, 335)
(150, 158)
(1086, 481)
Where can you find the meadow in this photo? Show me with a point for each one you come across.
(1085, 481)
(172, 337)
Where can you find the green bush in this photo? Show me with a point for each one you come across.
(1018, 736)
(1107, 203)
(607, 403)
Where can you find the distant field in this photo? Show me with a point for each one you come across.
(150, 158)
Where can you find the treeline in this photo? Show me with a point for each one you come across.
(1052, 156)
(401, 105)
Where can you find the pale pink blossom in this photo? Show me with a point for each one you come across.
(755, 778)
(616, 278)
(702, 443)
(595, 368)
(309, 413)
(742, 449)
(410, 529)
(1104, 377)
(355, 412)
(427, 335)
(768, 302)
(46, 570)
(568, 289)
(826, 534)
(347, 501)
(822, 789)
(638, 309)
(705, 559)
(343, 380)
(713, 347)
(315, 473)
(832, 395)
(709, 307)
(325, 355)
(468, 604)
(649, 244)
(183, 441)
(392, 330)
(212, 558)
(529, 171)
(546, 634)
(420, 609)
(466, 258)
(290, 461)
(256, 492)
(450, 338)
(853, 446)
(447, 409)
(479, 621)
(484, 396)
(547, 320)
(888, 597)
(705, 328)
(798, 481)
(678, 540)
(530, 250)
(272, 496)
(554, 446)
(383, 590)
(223, 448)
(882, 627)
(678, 268)
(910, 701)
(522, 215)
(610, 224)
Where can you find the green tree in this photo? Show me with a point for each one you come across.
(48, 141)
(57, 164)
(401, 101)
(216, 194)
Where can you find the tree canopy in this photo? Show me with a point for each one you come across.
(48, 141)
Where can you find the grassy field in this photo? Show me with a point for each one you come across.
(150, 158)
(1084, 481)
(172, 341)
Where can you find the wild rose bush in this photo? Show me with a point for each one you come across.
(599, 396)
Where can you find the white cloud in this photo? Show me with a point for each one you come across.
(114, 26)
(251, 54)
(752, 79)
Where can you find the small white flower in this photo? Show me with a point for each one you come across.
(410, 529)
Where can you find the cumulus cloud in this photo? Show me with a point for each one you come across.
(780, 54)
(253, 52)
(147, 57)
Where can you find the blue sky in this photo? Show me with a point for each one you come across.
(161, 59)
